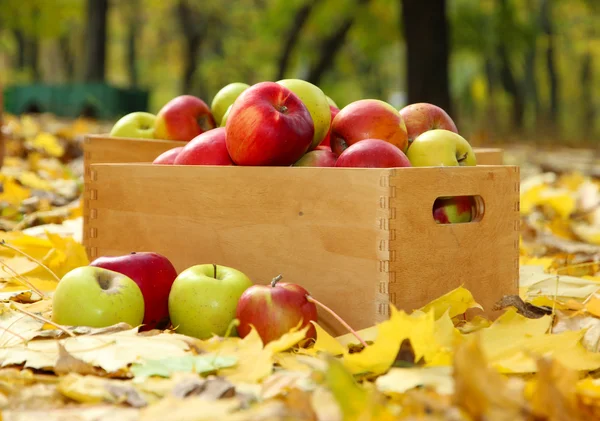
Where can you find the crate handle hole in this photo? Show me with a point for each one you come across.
(458, 209)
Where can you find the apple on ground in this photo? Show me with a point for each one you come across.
(224, 98)
(367, 119)
(154, 274)
(183, 118)
(440, 148)
(268, 125)
(97, 297)
(453, 209)
(317, 158)
(275, 309)
(135, 125)
(423, 116)
(316, 102)
(209, 148)
(327, 141)
(167, 157)
(372, 153)
(203, 299)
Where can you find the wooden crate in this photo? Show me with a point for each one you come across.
(105, 149)
(356, 238)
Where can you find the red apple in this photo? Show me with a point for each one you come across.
(167, 157)
(422, 116)
(372, 153)
(274, 310)
(453, 209)
(268, 125)
(367, 119)
(207, 148)
(327, 140)
(183, 118)
(317, 158)
(154, 274)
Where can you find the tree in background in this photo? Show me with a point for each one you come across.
(95, 51)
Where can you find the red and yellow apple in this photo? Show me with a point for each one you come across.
(208, 148)
(453, 209)
(274, 310)
(317, 158)
(423, 116)
(183, 118)
(372, 153)
(367, 119)
(167, 157)
(268, 125)
(327, 141)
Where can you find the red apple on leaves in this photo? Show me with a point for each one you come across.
(453, 209)
(367, 119)
(183, 118)
(327, 140)
(422, 116)
(208, 148)
(275, 309)
(154, 274)
(317, 158)
(167, 157)
(268, 125)
(372, 153)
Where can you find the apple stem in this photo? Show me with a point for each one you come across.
(313, 300)
(275, 280)
(3, 243)
(43, 319)
(215, 271)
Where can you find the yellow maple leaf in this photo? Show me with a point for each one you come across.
(327, 343)
(593, 306)
(456, 302)
(66, 254)
(49, 144)
(33, 181)
(287, 340)
(544, 262)
(13, 193)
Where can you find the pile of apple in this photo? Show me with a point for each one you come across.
(292, 122)
(144, 289)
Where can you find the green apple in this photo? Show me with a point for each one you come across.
(225, 116)
(225, 97)
(316, 101)
(331, 102)
(203, 299)
(139, 124)
(97, 297)
(440, 148)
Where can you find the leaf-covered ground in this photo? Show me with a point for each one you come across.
(538, 361)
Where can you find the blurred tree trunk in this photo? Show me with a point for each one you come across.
(193, 26)
(133, 23)
(530, 67)
(548, 30)
(587, 99)
(96, 25)
(20, 38)
(427, 52)
(330, 47)
(511, 85)
(64, 45)
(293, 36)
(32, 57)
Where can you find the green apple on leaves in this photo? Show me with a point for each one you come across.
(203, 299)
(97, 297)
(316, 102)
(440, 148)
(136, 125)
(224, 98)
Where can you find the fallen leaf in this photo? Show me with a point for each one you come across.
(200, 364)
(327, 343)
(455, 302)
(525, 309)
(400, 380)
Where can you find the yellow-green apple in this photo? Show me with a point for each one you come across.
(154, 274)
(275, 309)
(167, 157)
(372, 153)
(316, 101)
(97, 297)
(423, 116)
(331, 102)
(138, 124)
(209, 148)
(203, 299)
(183, 118)
(224, 98)
(367, 119)
(317, 158)
(440, 148)
(225, 116)
(268, 125)
(453, 209)
(327, 141)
